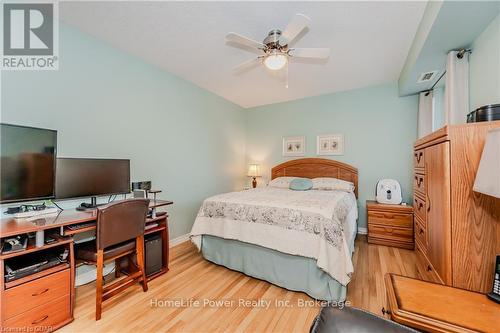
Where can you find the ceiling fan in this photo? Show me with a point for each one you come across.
(276, 51)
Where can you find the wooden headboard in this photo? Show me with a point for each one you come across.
(317, 167)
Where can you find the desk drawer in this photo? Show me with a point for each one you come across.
(390, 219)
(390, 233)
(37, 292)
(43, 318)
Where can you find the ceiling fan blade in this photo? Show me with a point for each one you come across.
(236, 38)
(318, 53)
(298, 23)
(247, 65)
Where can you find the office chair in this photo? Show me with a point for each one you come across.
(120, 233)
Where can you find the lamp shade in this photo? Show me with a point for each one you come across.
(488, 173)
(275, 61)
(253, 170)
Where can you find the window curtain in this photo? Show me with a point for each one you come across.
(424, 123)
(438, 108)
(456, 94)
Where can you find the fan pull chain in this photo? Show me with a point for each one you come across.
(286, 83)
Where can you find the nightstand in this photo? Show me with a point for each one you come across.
(390, 225)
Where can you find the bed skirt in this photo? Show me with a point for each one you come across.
(285, 270)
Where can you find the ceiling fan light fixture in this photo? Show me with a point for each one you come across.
(275, 61)
(275, 50)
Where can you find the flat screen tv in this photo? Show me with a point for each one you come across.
(91, 177)
(28, 163)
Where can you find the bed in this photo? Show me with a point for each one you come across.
(298, 240)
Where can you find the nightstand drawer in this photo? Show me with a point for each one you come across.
(390, 225)
(390, 219)
(419, 183)
(391, 242)
(37, 292)
(390, 233)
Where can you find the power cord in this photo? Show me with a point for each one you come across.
(55, 204)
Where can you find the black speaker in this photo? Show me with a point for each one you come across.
(153, 248)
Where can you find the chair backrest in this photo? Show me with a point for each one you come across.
(120, 221)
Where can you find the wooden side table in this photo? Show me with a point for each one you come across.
(390, 225)
(437, 308)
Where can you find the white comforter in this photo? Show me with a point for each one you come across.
(306, 223)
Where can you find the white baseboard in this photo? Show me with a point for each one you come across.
(362, 231)
(178, 240)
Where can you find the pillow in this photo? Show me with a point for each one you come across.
(301, 184)
(281, 182)
(329, 184)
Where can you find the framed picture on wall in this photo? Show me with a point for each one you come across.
(330, 144)
(294, 146)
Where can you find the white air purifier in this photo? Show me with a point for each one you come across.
(388, 192)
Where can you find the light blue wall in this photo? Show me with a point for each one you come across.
(438, 33)
(108, 104)
(191, 143)
(485, 67)
(379, 130)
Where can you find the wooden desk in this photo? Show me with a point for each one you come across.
(12, 227)
(437, 308)
(44, 301)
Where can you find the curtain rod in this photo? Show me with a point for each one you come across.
(428, 91)
(460, 55)
(462, 52)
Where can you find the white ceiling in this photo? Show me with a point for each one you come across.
(369, 42)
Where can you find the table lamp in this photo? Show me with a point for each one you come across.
(488, 182)
(488, 173)
(254, 172)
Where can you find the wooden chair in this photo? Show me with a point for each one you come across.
(120, 233)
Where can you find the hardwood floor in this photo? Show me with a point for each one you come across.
(371, 262)
(192, 278)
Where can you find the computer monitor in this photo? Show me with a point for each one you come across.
(28, 163)
(91, 177)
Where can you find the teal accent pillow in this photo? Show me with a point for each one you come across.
(301, 184)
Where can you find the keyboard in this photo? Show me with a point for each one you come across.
(36, 213)
(80, 225)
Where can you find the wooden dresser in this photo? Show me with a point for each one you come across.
(390, 225)
(457, 231)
